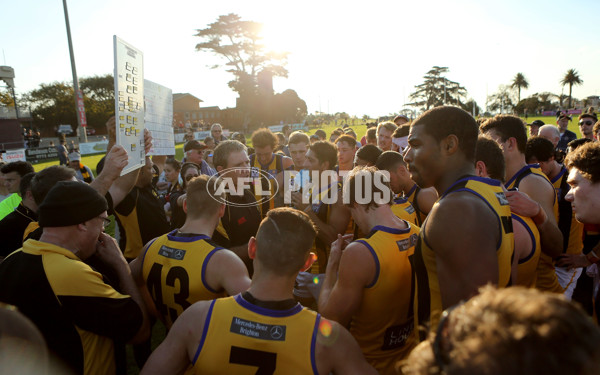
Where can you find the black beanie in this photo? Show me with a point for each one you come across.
(70, 203)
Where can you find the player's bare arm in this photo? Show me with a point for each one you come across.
(543, 193)
(338, 352)
(463, 232)
(179, 348)
(349, 271)
(225, 270)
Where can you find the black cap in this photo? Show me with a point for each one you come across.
(194, 145)
(537, 123)
(560, 115)
(70, 203)
(589, 115)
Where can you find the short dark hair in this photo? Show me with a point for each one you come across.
(347, 139)
(539, 148)
(284, 239)
(507, 126)
(264, 137)
(45, 180)
(326, 152)
(586, 159)
(321, 133)
(21, 167)
(401, 131)
(369, 153)
(371, 133)
(490, 153)
(388, 160)
(574, 144)
(298, 137)
(440, 122)
(224, 149)
(25, 184)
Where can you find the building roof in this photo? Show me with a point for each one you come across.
(183, 95)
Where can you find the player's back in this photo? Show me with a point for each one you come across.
(383, 325)
(174, 270)
(241, 336)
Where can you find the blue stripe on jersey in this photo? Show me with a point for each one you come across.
(377, 266)
(206, 324)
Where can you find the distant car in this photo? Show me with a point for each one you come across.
(90, 131)
(65, 129)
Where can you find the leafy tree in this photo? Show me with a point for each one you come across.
(437, 90)
(288, 107)
(518, 83)
(238, 44)
(502, 100)
(468, 106)
(571, 78)
(53, 104)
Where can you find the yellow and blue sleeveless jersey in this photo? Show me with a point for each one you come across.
(546, 276)
(402, 208)
(411, 196)
(174, 270)
(383, 325)
(272, 169)
(242, 338)
(323, 212)
(428, 299)
(527, 267)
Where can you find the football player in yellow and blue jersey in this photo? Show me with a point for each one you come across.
(466, 241)
(369, 287)
(185, 266)
(262, 330)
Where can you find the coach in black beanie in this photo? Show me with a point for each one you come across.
(70, 203)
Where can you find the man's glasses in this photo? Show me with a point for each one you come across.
(586, 123)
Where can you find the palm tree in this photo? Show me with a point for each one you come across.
(571, 78)
(519, 82)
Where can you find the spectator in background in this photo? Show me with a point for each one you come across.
(596, 131)
(335, 135)
(73, 147)
(401, 120)
(12, 173)
(216, 131)
(194, 153)
(171, 175)
(188, 171)
(314, 138)
(208, 153)
(82, 172)
(62, 152)
(366, 156)
(566, 136)
(586, 125)
(385, 130)
(534, 127)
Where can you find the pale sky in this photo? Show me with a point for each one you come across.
(357, 57)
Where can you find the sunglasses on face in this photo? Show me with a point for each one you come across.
(189, 177)
(586, 123)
